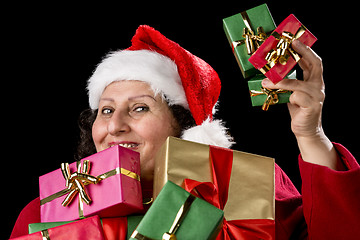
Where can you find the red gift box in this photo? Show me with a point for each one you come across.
(119, 228)
(275, 57)
(114, 228)
(87, 229)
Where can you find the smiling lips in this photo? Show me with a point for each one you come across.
(130, 145)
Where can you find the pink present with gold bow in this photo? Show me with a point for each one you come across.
(106, 184)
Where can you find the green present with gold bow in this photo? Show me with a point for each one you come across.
(264, 97)
(245, 32)
(177, 214)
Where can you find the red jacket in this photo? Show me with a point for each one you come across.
(329, 207)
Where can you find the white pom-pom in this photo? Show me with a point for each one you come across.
(210, 133)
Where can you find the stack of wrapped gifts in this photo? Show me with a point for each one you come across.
(200, 191)
(98, 197)
(264, 50)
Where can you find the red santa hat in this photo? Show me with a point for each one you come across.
(179, 76)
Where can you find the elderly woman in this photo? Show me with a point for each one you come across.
(155, 89)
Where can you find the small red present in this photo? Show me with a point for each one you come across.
(87, 229)
(115, 228)
(275, 57)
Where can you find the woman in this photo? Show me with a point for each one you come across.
(155, 89)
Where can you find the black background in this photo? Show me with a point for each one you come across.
(50, 50)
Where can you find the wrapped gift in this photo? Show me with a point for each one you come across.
(246, 31)
(119, 228)
(177, 214)
(132, 223)
(275, 57)
(106, 184)
(240, 183)
(116, 228)
(265, 97)
(37, 227)
(87, 229)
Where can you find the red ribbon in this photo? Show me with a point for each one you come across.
(216, 193)
(115, 228)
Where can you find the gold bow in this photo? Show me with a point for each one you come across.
(283, 50)
(76, 182)
(251, 41)
(272, 96)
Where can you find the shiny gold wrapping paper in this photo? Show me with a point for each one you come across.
(251, 189)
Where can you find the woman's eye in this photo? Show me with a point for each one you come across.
(106, 111)
(138, 110)
(141, 109)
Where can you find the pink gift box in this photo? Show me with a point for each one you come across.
(116, 195)
(86, 229)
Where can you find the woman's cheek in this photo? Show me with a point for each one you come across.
(98, 134)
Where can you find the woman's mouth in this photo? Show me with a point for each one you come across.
(130, 145)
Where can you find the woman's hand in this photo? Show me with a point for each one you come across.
(308, 96)
(305, 107)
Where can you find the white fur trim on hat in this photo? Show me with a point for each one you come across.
(143, 65)
(210, 133)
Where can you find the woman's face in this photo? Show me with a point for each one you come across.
(131, 116)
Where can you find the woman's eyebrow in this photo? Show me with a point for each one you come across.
(107, 99)
(141, 96)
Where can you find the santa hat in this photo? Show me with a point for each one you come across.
(179, 76)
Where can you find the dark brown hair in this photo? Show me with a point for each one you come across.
(86, 146)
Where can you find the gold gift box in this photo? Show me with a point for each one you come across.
(251, 188)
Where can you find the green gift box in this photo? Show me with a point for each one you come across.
(243, 40)
(265, 97)
(177, 212)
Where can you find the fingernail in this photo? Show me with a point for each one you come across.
(296, 43)
(265, 82)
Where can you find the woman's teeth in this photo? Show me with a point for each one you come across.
(127, 145)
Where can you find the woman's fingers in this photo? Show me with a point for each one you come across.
(301, 99)
(313, 84)
(310, 62)
(312, 90)
(287, 84)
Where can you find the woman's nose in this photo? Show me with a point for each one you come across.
(118, 124)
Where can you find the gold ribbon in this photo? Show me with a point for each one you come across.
(251, 40)
(45, 234)
(271, 96)
(283, 50)
(170, 235)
